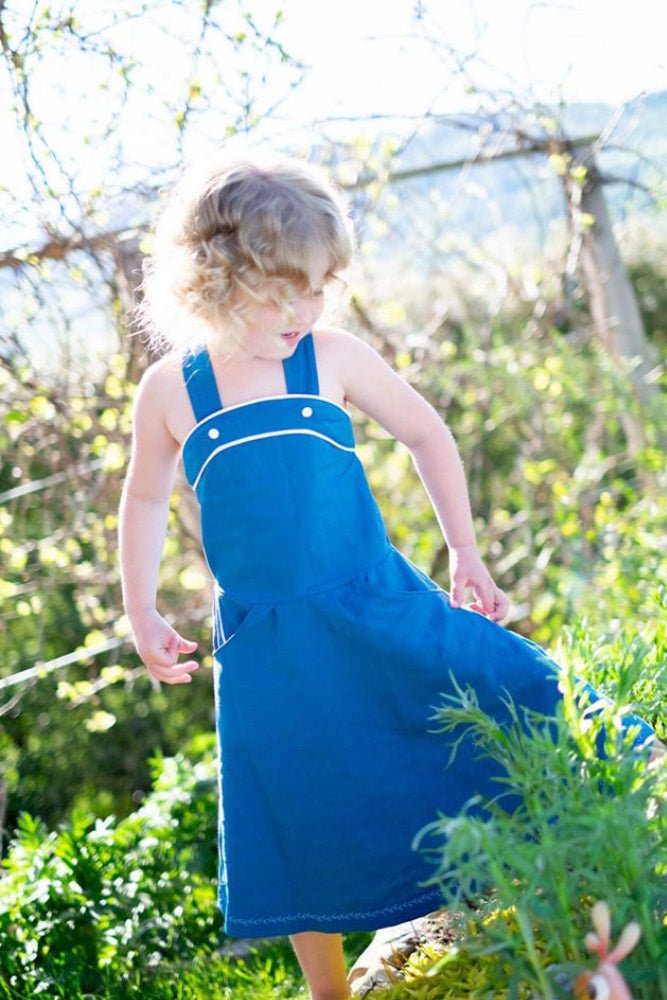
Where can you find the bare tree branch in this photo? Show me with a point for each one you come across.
(59, 248)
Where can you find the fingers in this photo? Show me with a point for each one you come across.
(173, 673)
(490, 601)
(456, 594)
(468, 570)
(186, 645)
(176, 644)
(494, 605)
(165, 666)
(499, 605)
(495, 615)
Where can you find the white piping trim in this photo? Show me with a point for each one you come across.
(267, 434)
(262, 399)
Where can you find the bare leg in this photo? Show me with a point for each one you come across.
(323, 962)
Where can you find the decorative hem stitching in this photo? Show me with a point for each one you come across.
(353, 914)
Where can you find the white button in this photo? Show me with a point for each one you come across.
(214, 432)
(307, 411)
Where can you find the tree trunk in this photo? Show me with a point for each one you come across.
(614, 310)
(3, 810)
(128, 275)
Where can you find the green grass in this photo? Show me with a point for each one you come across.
(269, 973)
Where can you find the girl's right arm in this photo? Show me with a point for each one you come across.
(142, 525)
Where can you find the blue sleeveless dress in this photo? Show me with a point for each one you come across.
(331, 653)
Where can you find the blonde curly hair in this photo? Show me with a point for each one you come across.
(243, 231)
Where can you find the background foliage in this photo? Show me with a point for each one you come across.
(107, 813)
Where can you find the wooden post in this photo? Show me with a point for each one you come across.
(614, 309)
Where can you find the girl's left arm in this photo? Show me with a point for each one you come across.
(372, 385)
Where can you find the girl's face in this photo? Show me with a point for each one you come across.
(270, 333)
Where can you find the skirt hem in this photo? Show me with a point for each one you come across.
(368, 920)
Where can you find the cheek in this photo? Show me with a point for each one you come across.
(314, 308)
(268, 314)
(265, 319)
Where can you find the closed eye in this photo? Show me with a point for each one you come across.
(316, 294)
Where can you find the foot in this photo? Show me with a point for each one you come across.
(379, 965)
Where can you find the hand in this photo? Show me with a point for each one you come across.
(466, 569)
(159, 645)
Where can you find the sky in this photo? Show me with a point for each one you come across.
(596, 49)
(362, 58)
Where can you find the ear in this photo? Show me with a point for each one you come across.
(594, 944)
(627, 941)
(602, 923)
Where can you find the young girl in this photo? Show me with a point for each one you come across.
(331, 650)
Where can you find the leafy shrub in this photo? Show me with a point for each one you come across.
(625, 658)
(587, 828)
(567, 516)
(98, 906)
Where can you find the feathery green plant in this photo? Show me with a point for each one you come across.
(587, 828)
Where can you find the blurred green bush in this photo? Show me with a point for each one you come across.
(99, 906)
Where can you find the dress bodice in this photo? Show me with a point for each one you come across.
(286, 508)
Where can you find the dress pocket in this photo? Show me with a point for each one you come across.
(396, 576)
(230, 618)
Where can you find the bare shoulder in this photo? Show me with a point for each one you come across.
(339, 352)
(155, 449)
(160, 397)
(153, 388)
(162, 375)
(369, 383)
(347, 355)
(333, 341)
(330, 350)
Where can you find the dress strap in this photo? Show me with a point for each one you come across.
(200, 383)
(301, 368)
